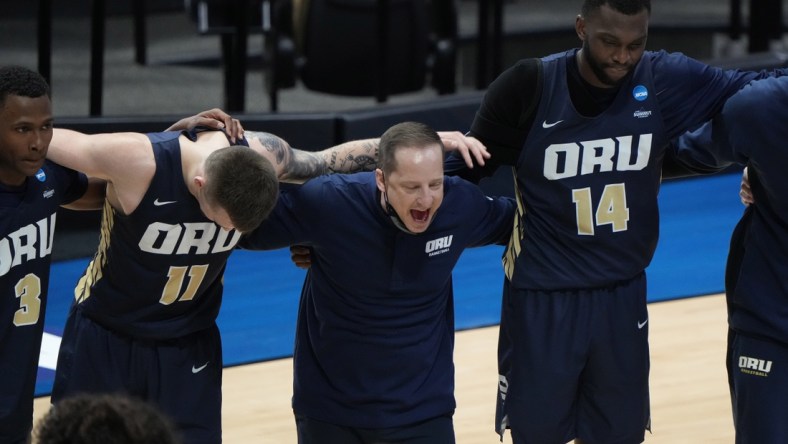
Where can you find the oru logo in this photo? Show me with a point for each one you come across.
(27, 243)
(753, 366)
(187, 238)
(624, 153)
(439, 245)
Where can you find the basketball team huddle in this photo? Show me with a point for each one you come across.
(589, 133)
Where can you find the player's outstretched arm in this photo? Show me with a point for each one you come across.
(106, 156)
(293, 165)
(124, 160)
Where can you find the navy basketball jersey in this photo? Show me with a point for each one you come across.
(27, 221)
(587, 187)
(158, 271)
(751, 130)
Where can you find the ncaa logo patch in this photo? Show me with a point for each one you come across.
(41, 175)
(640, 93)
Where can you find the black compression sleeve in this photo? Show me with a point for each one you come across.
(507, 111)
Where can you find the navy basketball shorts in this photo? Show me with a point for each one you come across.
(182, 377)
(574, 364)
(759, 389)
(438, 430)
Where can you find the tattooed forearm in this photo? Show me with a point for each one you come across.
(303, 166)
(298, 166)
(353, 157)
(273, 144)
(291, 165)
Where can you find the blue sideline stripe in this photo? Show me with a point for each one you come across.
(698, 217)
(257, 319)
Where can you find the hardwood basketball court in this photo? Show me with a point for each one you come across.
(689, 392)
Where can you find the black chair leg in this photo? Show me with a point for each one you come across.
(44, 36)
(97, 35)
(140, 39)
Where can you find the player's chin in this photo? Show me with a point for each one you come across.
(616, 75)
(31, 167)
(419, 226)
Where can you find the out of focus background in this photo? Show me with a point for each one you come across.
(175, 57)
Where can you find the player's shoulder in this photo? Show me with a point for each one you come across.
(524, 71)
(769, 88)
(664, 56)
(758, 101)
(50, 166)
(675, 63)
(54, 173)
(336, 185)
(461, 190)
(164, 136)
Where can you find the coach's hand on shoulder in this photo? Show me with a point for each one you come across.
(470, 148)
(213, 118)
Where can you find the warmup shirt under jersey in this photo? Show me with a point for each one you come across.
(27, 221)
(375, 329)
(751, 130)
(158, 272)
(587, 185)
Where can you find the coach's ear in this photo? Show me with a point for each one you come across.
(380, 180)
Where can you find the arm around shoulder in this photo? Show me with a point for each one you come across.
(111, 157)
(297, 166)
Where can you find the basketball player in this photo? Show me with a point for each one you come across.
(375, 333)
(31, 191)
(586, 131)
(750, 130)
(144, 317)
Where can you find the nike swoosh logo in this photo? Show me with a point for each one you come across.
(159, 203)
(550, 125)
(642, 324)
(199, 369)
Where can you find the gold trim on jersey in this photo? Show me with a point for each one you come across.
(95, 269)
(514, 247)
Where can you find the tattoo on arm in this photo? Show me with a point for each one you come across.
(293, 165)
(272, 144)
(298, 165)
(353, 157)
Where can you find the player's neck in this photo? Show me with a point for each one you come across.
(11, 179)
(193, 159)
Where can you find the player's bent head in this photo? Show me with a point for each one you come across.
(243, 183)
(404, 135)
(21, 81)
